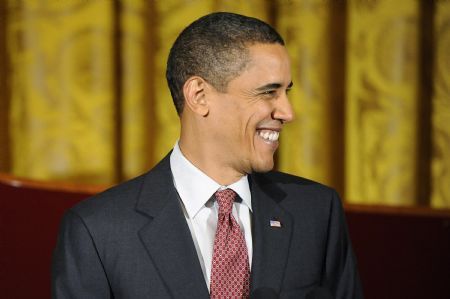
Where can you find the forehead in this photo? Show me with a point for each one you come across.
(268, 52)
(268, 63)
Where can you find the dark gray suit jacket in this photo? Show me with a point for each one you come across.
(132, 241)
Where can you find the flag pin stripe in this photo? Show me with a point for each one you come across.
(275, 223)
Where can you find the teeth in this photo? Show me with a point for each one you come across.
(274, 136)
(269, 135)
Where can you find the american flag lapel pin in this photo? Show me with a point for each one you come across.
(275, 223)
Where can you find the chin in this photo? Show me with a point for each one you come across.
(263, 166)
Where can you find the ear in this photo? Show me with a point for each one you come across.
(195, 96)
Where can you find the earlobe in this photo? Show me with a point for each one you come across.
(195, 96)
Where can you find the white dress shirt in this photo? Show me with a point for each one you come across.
(196, 191)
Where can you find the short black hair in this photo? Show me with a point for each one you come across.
(214, 47)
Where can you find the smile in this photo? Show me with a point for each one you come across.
(268, 135)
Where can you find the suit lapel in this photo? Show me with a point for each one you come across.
(270, 243)
(167, 237)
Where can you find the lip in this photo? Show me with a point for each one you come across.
(272, 145)
(269, 129)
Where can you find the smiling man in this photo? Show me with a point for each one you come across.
(212, 220)
(233, 132)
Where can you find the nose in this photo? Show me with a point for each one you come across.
(283, 110)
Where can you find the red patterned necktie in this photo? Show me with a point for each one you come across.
(230, 273)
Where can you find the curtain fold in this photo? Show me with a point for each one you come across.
(382, 101)
(136, 45)
(440, 162)
(4, 94)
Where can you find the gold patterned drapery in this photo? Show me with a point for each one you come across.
(440, 113)
(84, 96)
(382, 101)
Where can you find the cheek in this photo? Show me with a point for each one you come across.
(249, 124)
(258, 117)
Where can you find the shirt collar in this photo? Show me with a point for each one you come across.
(196, 188)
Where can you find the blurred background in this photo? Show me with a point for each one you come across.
(83, 95)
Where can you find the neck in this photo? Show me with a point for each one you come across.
(207, 160)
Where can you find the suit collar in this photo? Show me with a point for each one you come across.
(174, 253)
(196, 188)
(166, 236)
(270, 243)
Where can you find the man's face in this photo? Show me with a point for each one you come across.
(248, 118)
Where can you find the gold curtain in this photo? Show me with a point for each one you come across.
(4, 94)
(135, 45)
(440, 162)
(85, 97)
(62, 90)
(382, 101)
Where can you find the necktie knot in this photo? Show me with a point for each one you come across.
(225, 198)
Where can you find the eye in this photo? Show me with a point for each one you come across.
(269, 92)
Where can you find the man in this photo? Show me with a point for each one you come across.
(211, 220)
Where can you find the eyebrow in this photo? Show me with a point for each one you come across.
(273, 86)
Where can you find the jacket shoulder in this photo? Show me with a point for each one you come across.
(289, 181)
(294, 192)
(124, 196)
(119, 197)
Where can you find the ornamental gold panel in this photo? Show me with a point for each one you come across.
(382, 101)
(440, 160)
(61, 90)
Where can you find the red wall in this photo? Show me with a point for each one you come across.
(402, 253)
